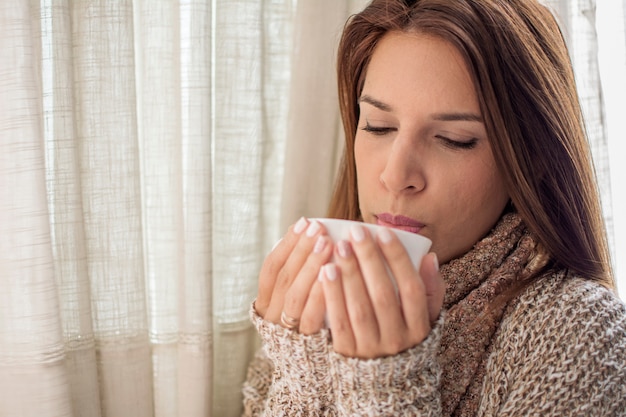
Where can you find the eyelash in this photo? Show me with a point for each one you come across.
(381, 131)
(378, 131)
(455, 144)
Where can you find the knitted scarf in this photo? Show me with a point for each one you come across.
(473, 282)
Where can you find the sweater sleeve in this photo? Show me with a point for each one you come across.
(561, 352)
(291, 375)
(294, 374)
(405, 384)
(257, 384)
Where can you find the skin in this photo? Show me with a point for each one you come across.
(415, 158)
(411, 162)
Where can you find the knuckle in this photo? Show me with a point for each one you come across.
(394, 249)
(413, 289)
(368, 250)
(263, 296)
(419, 329)
(360, 316)
(340, 328)
(271, 266)
(395, 344)
(316, 295)
(305, 243)
(311, 268)
(419, 336)
(348, 268)
(283, 281)
(361, 354)
(398, 257)
(384, 299)
(346, 348)
(292, 303)
(306, 327)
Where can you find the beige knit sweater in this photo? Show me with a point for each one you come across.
(559, 351)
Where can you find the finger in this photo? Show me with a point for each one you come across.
(434, 285)
(312, 319)
(411, 289)
(379, 285)
(274, 262)
(296, 260)
(337, 313)
(297, 294)
(360, 311)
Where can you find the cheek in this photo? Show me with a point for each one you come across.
(472, 205)
(482, 180)
(367, 165)
(486, 193)
(493, 189)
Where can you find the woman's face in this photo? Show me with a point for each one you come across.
(423, 160)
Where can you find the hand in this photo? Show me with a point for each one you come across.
(289, 293)
(368, 319)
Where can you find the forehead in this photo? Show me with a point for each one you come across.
(412, 67)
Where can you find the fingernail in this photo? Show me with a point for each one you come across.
(313, 228)
(300, 225)
(357, 233)
(344, 249)
(330, 272)
(320, 244)
(384, 235)
(435, 261)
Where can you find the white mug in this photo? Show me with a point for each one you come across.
(416, 245)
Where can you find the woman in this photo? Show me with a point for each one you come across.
(462, 124)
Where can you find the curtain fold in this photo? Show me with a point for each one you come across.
(611, 22)
(65, 204)
(239, 145)
(32, 361)
(105, 109)
(151, 154)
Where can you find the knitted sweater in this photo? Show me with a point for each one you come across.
(560, 350)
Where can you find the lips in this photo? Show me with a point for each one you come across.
(399, 222)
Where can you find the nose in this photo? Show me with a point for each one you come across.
(403, 172)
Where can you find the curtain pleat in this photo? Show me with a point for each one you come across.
(238, 147)
(65, 203)
(157, 46)
(196, 348)
(106, 135)
(32, 359)
(611, 36)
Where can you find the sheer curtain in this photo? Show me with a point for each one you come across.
(594, 31)
(142, 181)
(151, 153)
(611, 31)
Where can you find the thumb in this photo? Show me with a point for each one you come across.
(434, 284)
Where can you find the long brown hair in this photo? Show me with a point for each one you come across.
(517, 58)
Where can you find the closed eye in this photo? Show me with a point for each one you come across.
(457, 144)
(378, 130)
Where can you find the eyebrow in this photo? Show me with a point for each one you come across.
(444, 117)
(376, 103)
